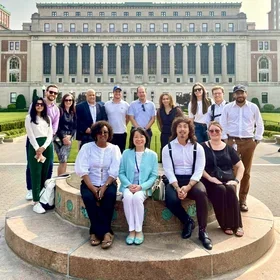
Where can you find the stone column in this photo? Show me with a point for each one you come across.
(92, 64)
(66, 62)
(224, 63)
(145, 63)
(53, 63)
(158, 79)
(185, 62)
(79, 62)
(172, 63)
(211, 62)
(198, 63)
(105, 63)
(131, 63)
(118, 63)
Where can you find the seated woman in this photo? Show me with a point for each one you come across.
(138, 172)
(222, 194)
(98, 164)
(40, 153)
(65, 132)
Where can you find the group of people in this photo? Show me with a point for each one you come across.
(204, 156)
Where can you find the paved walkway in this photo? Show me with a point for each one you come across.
(265, 187)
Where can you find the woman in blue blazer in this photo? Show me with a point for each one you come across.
(138, 172)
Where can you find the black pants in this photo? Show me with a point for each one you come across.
(100, 216)
(197, 193)
(119, 140)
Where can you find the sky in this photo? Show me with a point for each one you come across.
(21, 10)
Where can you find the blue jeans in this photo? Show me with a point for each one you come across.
(201, 132)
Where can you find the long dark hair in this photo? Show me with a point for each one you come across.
(44, 113)
(176, 122)
(142, 131)
(72, 109)
(205, 101)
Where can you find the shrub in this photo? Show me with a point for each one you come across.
(12, 125)
(35, 95)
(277, 110)
(14, 133)
(268, 107)
(12, 106)
(256, 101)
(272, 127)
(270, 134)
(81, 98)
(21, 102)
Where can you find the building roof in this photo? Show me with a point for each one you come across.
(4, 9)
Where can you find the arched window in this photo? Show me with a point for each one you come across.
(263, 70)
(14, 70)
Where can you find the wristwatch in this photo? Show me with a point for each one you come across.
(107, 185)
(236, 180)
(257, 141)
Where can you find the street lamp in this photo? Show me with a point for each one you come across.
(124, 95)
(43, 90)
(152, 95)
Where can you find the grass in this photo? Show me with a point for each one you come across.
(12, 116)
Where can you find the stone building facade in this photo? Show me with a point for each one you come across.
(166, 47)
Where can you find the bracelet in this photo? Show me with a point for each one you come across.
(236, 180)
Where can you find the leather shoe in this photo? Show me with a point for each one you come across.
(188, 228)
(206, 241)
(243, 207)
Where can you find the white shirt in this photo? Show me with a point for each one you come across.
(98, 163)
(92, 109)
(218, 109)
(41, 129)
(116, 113)
(240, 121)
(183, 161)
(199, 117)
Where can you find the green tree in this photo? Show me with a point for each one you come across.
(20, 102)
(256, 101)
(35, 95)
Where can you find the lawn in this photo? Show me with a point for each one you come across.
(273, 117)
(12, 116)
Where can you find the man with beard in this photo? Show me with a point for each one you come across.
(53, 112)
(243, 129)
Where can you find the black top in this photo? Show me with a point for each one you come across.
(167, 119)
(67, 124)
(226, 158)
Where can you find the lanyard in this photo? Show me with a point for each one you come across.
(137, 167)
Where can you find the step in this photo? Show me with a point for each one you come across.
(49, 241)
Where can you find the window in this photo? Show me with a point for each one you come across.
(47, 80)
(14, 70)
(59, 27)
(163, 14)
(230, 80)
(85, 27)
(101, 14)
(223, 13)
(263, 45)
(13, 97)
(191, 80)
(14, 46)
(230, 27)
(17, 46)
(178, 80)
(138, 14)
(54, 14)
(98, 80)
(125, 14)
(217, 80)
(165, 27)
(175, 14)
(217, 27)
(111, 27)
(85, 80)
(89, 14)
(114, 14)
(72, 27)
(112, 80)
(138, 27)
(211, 13)
(60, 80)
(73, 80)
(151, 14)
(199, 14)
(266, 45)
(204, 27)
(263, 70)
(47, 27)
(152, 27)
(178, 27)
(78, 14)
(187, 14)
(125, 27)
(66, 14)
(264, 97)
(98, 27)
(191, 27)
(165, 80)
(204, 80)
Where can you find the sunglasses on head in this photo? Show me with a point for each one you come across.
(143, 108)
(40, 104)
(53, 92)
(197, 89)
(214, 130)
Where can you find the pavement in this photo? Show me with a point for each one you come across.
(265, 186)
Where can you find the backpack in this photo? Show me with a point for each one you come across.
(213, 116)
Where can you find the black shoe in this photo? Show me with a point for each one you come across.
(188, 228)
(206, 241)
(243, 207)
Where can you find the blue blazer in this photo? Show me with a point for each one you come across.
(148, 170)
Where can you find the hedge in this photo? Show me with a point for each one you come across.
(14, 133)
(270, 134)
(13, 110)
(12, 125)
(271, 127)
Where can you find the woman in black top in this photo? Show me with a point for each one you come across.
(223, 194)
(65, 132)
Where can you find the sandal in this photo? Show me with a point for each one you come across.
(94, 241)
(107, 241)
(228, 231)
(239, 232)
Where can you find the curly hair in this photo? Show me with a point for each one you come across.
(176, 122)
(97, 127)
(44, 112)
(205, 101)
(142, 131)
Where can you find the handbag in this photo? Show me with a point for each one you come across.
(158, 189)
(222, 175)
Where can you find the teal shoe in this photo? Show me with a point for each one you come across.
(139, 240)
(129, 240)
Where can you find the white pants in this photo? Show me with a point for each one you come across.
(134, 209)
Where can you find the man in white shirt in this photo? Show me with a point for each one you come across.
(243, 129)
(116, 110)
(215, 110)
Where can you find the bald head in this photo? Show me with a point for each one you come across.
(91, 96)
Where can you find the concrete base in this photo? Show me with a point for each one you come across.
(49, 242)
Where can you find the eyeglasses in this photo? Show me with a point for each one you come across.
(214, 130)
(143, 108)
(103, 132)
(53, 92)
(197, 89)
(68, 100)
(39, 104)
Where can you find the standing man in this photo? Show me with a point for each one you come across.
(88, 113)
(116, 111)
(53, 112)
(142, 112)
(215, 110)
(243, 129)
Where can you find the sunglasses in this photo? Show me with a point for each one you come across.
(68, 100)
(103, 132)
(197, 89)
(53, 92)
(143, 108)
(40, 105)
(214, 130)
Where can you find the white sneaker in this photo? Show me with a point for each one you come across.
(38, 208)
(29, 195)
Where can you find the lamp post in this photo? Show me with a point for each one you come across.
(152, 95)
(43, 90)
(124, 95)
